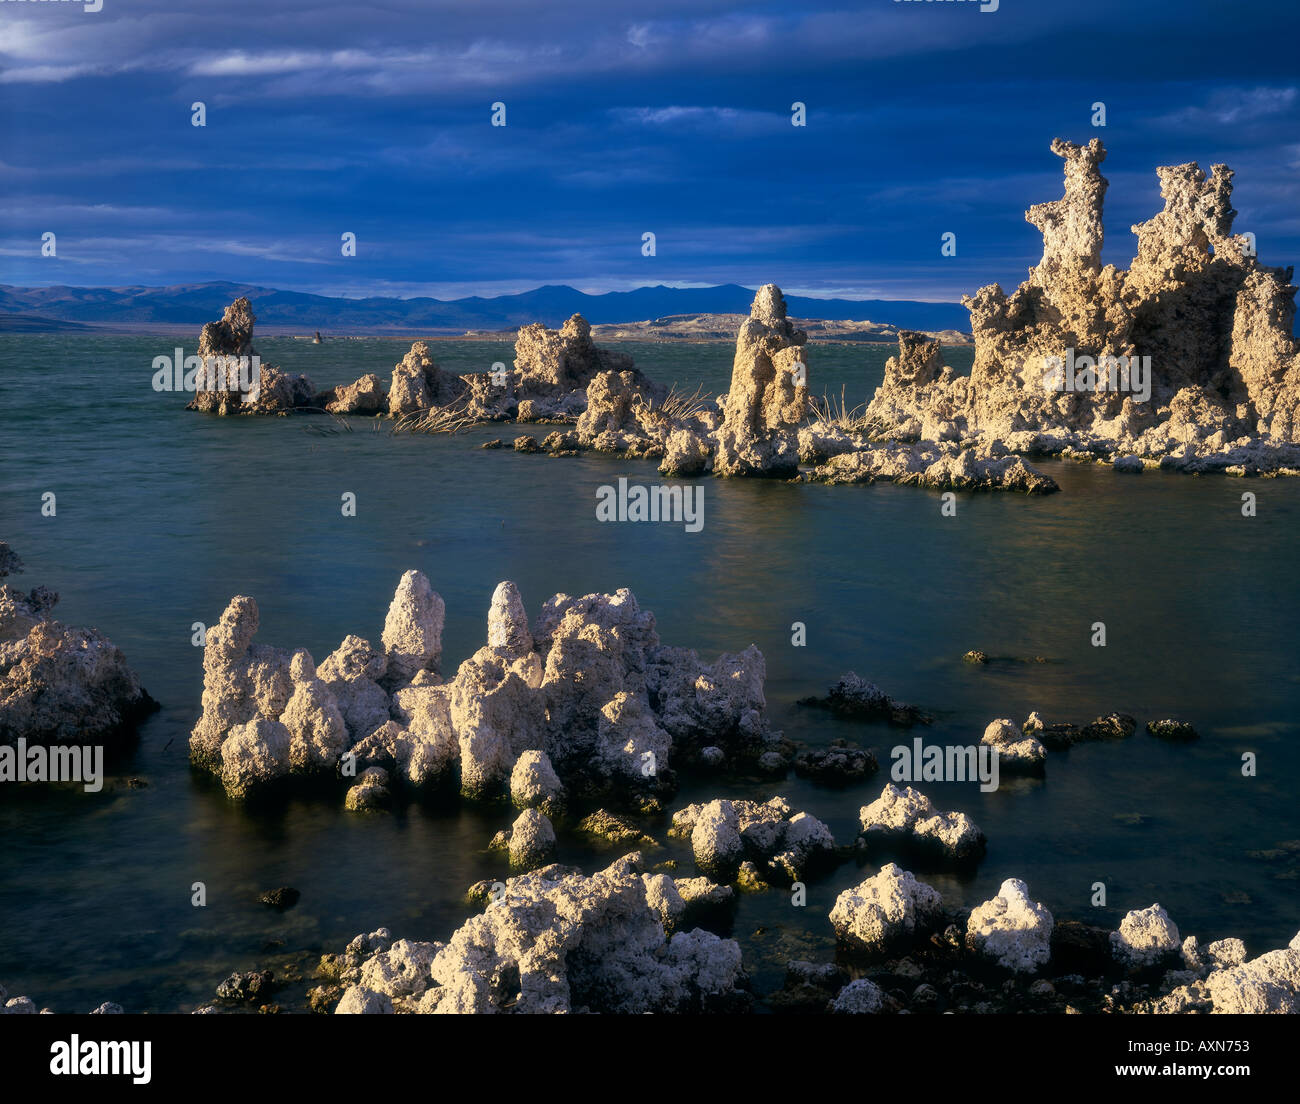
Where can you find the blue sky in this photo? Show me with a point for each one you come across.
(622, 118)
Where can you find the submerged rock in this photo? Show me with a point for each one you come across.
(839, 764)
(285, 897)
(1062, 735)
(614, 829)
(937, 466)
(856, 698)
(1172, 730)
(370, 794)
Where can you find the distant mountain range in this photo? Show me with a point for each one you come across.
(29, 310)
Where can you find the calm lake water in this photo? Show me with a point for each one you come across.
(163, 515)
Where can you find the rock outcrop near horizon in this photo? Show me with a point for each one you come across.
(226, 349)
(1184, 360)
(1059, 362)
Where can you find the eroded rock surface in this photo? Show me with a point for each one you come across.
(768, 396)
(1185, 360)
(557, 942)
(1011, 929)
(585, 703)
(60, 684)
(902, 814)
(231, 381)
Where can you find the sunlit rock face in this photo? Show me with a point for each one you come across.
(1186, 357)
(768, 397)
(586, 699)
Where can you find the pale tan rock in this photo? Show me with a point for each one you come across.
(366, 396)
(768, 397)
(317, 733)
(412, 636)
(1011, 929)
(254, 755)
(1215, 323)
(419, 384)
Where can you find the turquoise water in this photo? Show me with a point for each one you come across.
(163, 515)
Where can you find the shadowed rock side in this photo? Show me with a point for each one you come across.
(1224, 372)
(587, 695)
(59, 684)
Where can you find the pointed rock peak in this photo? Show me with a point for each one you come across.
(769, 305)
(302, 668)
(508, 621)
(576, 326)
(412, 635)
(241, 311)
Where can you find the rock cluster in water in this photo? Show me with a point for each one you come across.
(228, 341)
(758, 428)
(1224, 371)
(556, 940)
(60, 685)
(584, 702)
(1184, 360)
(761, 427)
